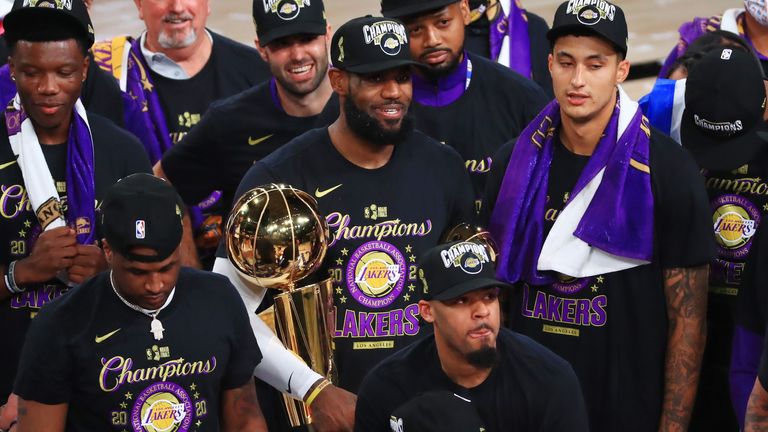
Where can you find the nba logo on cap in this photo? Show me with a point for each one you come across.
(140, 229)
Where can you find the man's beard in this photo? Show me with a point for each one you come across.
(484, 358)
(304, 89)
(169, 41)
(443, 70)
(369, 129)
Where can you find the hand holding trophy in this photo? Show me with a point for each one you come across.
(275, 238)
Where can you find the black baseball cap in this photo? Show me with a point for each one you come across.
(370, 44)
(723, 124)
(403, 8)
(275, 19)
(28, 15)
(437, 411)
(454, 269)
(142, 210)
(601, 18)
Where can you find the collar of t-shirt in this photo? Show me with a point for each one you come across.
(446, 90)
(161, 64)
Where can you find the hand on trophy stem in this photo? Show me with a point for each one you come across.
(333, 410)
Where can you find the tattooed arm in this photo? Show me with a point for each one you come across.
(37, 417)
(757, 410)
(240, 410)
(686, 293)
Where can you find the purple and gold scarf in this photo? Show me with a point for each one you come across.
(40, 185)
(511, 30)
(607, 223)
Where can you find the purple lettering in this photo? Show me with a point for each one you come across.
(582, 311)
(366, 324)
(411, 324)
(599, 315)
(568, 311)
(540, 307)
(382, 323)
(396, 322)
(526, 312)
(350, 325)
(553, 306)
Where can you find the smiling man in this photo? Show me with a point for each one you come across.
(147, 346)
(604, 226)
(170, 75)
(56, 163)
(388, 192)
(242, 129)
(513, 382)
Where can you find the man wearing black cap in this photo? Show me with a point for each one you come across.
(170, 75)
(147, 346)
(244, 128)
(513, 382)
(721, 126)
(387, 191)
(461, 99)
(604, 227)
(56, 162)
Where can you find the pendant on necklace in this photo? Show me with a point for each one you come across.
(157, 328)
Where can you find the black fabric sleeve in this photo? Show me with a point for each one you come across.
(245, 354)
(46, 366)
(373, 408)
(259, 174)
(683, 220)
(540, 49)
(494, 180)
(751, 301)
(193, 165)
(463, 195)
(565, 408)
(101, 94)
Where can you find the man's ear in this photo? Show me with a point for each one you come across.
(339, 81)
(425, 310)
(108, 254)
(262, 51)
(622, 71)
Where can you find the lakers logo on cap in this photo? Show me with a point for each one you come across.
(53, 4)
(590, 12)
(285, 9)
(469, 257)
(390, 36)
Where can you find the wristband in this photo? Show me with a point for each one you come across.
(320, 387)
(10, 279)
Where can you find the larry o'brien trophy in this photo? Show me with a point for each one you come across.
(275, 237)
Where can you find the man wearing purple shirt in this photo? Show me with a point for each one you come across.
(460, 99)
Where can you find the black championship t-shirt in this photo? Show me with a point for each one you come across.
(613, 327)
(232, 68)
(529, 389)
(117, 154)
(380, 221)
(98, 355)
(232, 135)
(495, 108)
(738, 201)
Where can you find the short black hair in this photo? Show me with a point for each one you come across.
(587, 32)
(50, 30)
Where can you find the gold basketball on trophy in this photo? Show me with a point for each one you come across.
(275, 236)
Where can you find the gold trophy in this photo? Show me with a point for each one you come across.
(275, 237)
